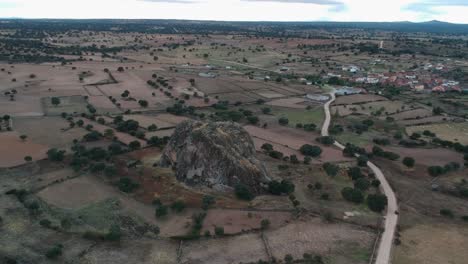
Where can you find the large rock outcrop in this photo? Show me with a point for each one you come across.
(214, 154)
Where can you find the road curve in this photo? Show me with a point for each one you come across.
(391, 217)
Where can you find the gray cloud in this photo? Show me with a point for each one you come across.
(317, 2)
(172, 1)
(430, 6)
(335, 6)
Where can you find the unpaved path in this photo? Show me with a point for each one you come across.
(391, 217)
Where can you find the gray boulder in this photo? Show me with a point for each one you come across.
(214, 154)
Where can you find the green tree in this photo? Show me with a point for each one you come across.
(178, 206)
(376, 202)
(134, 145)
(219, 230)
(243, 193)
(283, 121)
(55, 101)
(54, 252)
(265, 224)
(331, 169)
(408, 162)
(114, 233)
(352, 195)
(362, 184)
(161, 211)
(309, 150)
(55, 155)
(207, 201)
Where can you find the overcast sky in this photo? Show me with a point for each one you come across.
(455, 11)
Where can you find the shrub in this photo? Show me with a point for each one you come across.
(45, 223)
(134, 145)
(362, 184)
(265, 224)
(253, 120)
(283, 187)
(435, 171)
(326, 140)
(178, 206)
(127, 185)
(219, 231)
(207, 201)
(309, 150)
(362, 161)
(293, 159)
(447, 213)
(161, 211)
(54, 252)
(92, 136)
(377, 202)
(114, 233)
(408, 162)
(352, 195)
(267, 147)
(275, 154)
(243, 193)
(283, 121)
(355, 173)
(55, 155)
(331, 169)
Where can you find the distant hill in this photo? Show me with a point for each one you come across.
(268, 27)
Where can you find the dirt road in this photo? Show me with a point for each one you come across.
(391, 218)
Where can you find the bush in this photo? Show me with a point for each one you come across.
(219, 231)
(326, 140)
(243, 193)
(178, 206)
(275, 154)
(54, 252)
(309, 150)
(362, 161)
(447, 213)
(283, 121)
(127, 185)
(207, 201)
(331, 169)
(134, 145)
(355, 173)
(267, 147)
(55, 155)
(265, 224)
(92, 136)
(382, 141)
(408, 162)
(253, 120)
(362, 184)
(161, 211)
(352, 195)
(435, 171)
(114, 233)
(45, 223)
(283, 187)
(377, 202)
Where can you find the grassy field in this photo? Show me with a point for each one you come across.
(315, 116)
(457, 132)
(361, 140)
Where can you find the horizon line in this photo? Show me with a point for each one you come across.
(241, 21)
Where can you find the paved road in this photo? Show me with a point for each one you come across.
(391, 218)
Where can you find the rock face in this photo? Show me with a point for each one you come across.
(215, 155)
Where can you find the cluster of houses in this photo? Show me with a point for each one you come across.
(420, 81)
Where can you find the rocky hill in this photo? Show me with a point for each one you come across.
(215, 154)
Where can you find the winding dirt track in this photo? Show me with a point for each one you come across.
(391, 217)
